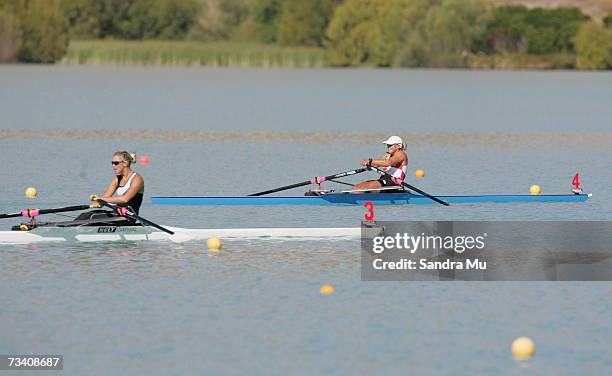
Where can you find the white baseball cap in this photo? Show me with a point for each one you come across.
(393, 140)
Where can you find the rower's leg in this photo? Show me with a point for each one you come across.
(368, 184)
(93, 214)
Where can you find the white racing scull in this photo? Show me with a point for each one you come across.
(131, 227)
(108, 233)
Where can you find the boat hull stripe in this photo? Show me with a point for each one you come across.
(360, 199)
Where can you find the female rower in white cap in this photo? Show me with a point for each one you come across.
(394, 162)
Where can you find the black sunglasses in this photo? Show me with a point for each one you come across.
(115, 163)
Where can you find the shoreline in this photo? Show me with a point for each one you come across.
(594, 140)
(252, 55)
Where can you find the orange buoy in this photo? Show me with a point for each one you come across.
(327, 289)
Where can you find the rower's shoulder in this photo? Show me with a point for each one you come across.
(137, 176)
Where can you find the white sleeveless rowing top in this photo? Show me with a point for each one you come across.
(121, 190)
(136, 201)
(398, 172)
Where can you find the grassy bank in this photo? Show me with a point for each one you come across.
(522, 61)
(233, 54)
(180, 53)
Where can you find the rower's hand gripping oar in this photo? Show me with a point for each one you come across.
(383, 173)
(317, 180)
(125, 212)
(31, 213)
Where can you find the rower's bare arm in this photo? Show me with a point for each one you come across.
(365, 162)
(396, 159)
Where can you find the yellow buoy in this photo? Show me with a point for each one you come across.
(523, 348)
(419, 173)
(31, 192)
(213, 244)
(327, 290)
(535, 189)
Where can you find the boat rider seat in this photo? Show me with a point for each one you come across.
(103, 216)
(389, 189)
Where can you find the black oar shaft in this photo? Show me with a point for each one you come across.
(311, 181)
(412, 187)
(35, 212)
(281, 188)
(135, 217)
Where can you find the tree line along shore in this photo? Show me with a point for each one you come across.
(297, 33)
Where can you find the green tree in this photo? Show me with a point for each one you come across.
(303, 23)
(265, 16)
(261, 24)
(82, 16)
(537, 31)
(607, 20)
(113, 17)
(506, 30)
(10, 36)
(132, 19)
(552, 30)
(219, 19)
(370, 32)
(447, 33)
(593, 47)
(160, 19)
(45, 31)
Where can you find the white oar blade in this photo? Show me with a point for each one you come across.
(179, 237)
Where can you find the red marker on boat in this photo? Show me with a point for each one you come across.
(577, 190)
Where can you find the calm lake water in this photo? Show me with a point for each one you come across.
(164, 308)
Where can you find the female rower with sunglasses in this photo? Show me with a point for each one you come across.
(127, 187)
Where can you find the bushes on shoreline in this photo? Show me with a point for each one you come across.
(594, 47)
(10, 36)
(32, 31)
(378, 33)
